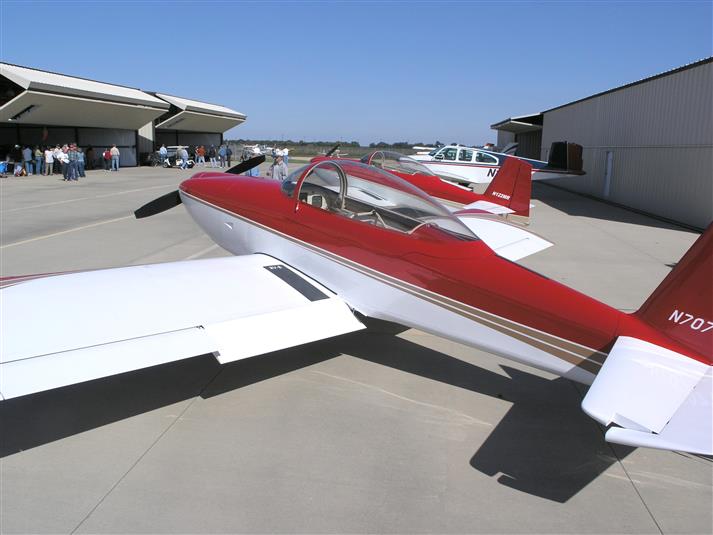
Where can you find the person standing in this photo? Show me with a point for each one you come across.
(56, 152)
(38, 160)
(278, 170)
(200, 155)
(114, 158)
(27, 158)
(162, 153)
(183, 153)
(64, 161)
(81, 163)
(73, 159)
(221, 155)
(255, 171)
(228, 154)
(106, 156)
(49, 161)
(286, 156)
(211, 156)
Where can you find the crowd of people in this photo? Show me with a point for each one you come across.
(72, 161)
(277, 170)
(69, 160)
(217, 157)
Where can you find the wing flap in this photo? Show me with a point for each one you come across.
(282, 329)
(65, 329)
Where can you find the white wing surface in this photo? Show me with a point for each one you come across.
(65, 329)
(488, 206)
(507, 240)
(660, 398)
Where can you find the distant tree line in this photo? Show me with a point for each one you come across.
(291, 143)
(301, 143)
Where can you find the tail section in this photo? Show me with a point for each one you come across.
(682, 305)
(512, 186)
(657, 397)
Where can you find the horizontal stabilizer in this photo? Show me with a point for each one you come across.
(507, 240)
(233, 307)
(490, 207)
(659, 398)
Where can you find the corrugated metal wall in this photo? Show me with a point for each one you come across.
(504, 138)
(660, 135)
(529, 144)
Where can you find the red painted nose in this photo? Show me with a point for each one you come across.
(211, 187)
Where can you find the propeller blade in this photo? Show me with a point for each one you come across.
(163, 203)
(331, 151)
(246, 165)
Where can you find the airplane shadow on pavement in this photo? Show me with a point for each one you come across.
(30, 421)
(544, 446)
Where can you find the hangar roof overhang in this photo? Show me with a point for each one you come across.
(520, 124)
(195, 116)
(47, 98)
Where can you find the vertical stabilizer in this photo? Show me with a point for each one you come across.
(682, 305)
(512, 186)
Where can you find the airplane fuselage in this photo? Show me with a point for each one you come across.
(427, 280)
(464, 164)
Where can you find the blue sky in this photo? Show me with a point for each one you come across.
(367, 71)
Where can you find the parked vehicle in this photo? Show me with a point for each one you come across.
(171, 160)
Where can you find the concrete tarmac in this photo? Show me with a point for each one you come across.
(366, 433)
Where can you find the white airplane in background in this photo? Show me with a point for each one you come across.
(474, 165)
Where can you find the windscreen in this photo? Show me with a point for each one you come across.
(395, 161)
(393, 195)
(368, 194)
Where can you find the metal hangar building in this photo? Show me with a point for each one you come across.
(45, 108)
(647, 145)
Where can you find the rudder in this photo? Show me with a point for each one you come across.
(512, 186)
(681, 307)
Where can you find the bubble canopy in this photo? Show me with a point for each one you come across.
(394, 161)
(368, 194)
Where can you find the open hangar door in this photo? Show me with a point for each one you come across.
(529, 144)
(87, 138)
(47, 108)
(525, 130)
(188, 139)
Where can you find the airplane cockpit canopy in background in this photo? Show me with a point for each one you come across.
(393, 161)
(365, 193)
(459, 153)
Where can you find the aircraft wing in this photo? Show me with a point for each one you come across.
(234, 307)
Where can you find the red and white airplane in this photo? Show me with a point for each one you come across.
(340, 240)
